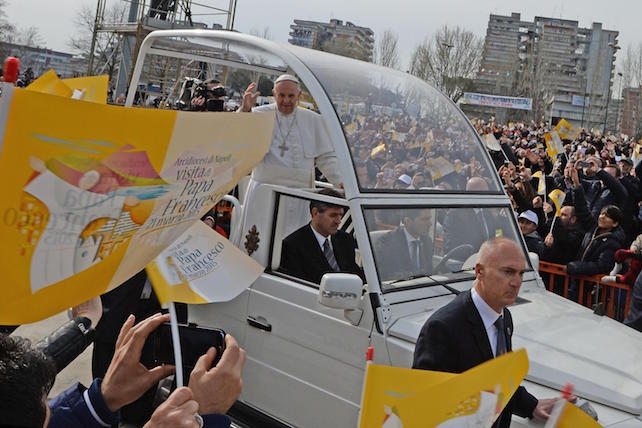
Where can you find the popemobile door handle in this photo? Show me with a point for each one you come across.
(259, 322)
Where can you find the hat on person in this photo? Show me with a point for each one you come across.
(405, 178)
(530, 216)
(627, 160)
(286, 78)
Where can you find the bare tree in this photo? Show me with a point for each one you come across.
(30, 36)
(106, 49)
(265, 33)
(386, 52)
(449, 60)
(7, 29)
(631, 69)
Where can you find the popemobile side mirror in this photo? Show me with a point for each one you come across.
(340, 291)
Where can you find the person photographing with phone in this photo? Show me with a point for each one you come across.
(27, 375)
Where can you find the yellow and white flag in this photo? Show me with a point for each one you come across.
(201, 266)
(492, 143)
(91, 88)
(439, 167)
(565, 130)
(50, 83)
(635, 157)
(557, 196)
(378, 149)
(408, 398)
(541, 182)
(567, 415)
(554, 144)
(93, 193)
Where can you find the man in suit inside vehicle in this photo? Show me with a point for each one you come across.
(477, 326)
(408, 249)
(320, 247)
(469, 226)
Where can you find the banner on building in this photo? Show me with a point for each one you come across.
(497, 101)
(92, 193)
(576, 100)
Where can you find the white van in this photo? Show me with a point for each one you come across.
(306, 342)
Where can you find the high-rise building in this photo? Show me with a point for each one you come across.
(553, 61)
(335, 37)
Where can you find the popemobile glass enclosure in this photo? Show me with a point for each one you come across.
(408, 156)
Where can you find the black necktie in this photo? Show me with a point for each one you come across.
(501, 336)
(415, 248)
(329, 255)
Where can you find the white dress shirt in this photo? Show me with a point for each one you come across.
(488, 316)
(321, 239)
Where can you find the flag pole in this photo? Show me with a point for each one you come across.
(176, 341)
(552, 224)
(369, 359)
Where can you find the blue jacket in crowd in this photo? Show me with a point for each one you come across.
(85, 408)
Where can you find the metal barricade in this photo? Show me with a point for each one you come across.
(614, 297)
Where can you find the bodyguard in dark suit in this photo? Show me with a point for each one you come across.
(319, 247)
(408, 249)
(476, 326)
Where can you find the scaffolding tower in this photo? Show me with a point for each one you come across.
(145, 16)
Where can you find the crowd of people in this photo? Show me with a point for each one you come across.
(578, 208)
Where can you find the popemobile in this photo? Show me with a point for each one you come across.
(306, 342)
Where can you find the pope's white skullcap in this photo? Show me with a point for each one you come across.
(286, 78)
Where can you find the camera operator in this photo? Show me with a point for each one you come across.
(27, 375)
(208, 96)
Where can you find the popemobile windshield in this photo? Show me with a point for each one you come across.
(305, 341)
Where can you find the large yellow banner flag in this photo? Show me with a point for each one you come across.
(395, 397)
(92, 193)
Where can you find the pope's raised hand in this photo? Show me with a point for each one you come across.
(249, 98)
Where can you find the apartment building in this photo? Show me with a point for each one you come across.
(336, 37)
(567, 70)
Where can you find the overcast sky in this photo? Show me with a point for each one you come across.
(412, 20)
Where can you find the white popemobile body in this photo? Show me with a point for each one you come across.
(306, 343)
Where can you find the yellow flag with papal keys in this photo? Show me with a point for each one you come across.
(409, 398)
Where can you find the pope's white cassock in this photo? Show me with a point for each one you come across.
(299, 143)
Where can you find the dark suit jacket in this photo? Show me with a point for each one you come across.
(392, 255)
(301, 255)
(464, 226)
(454, 340)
